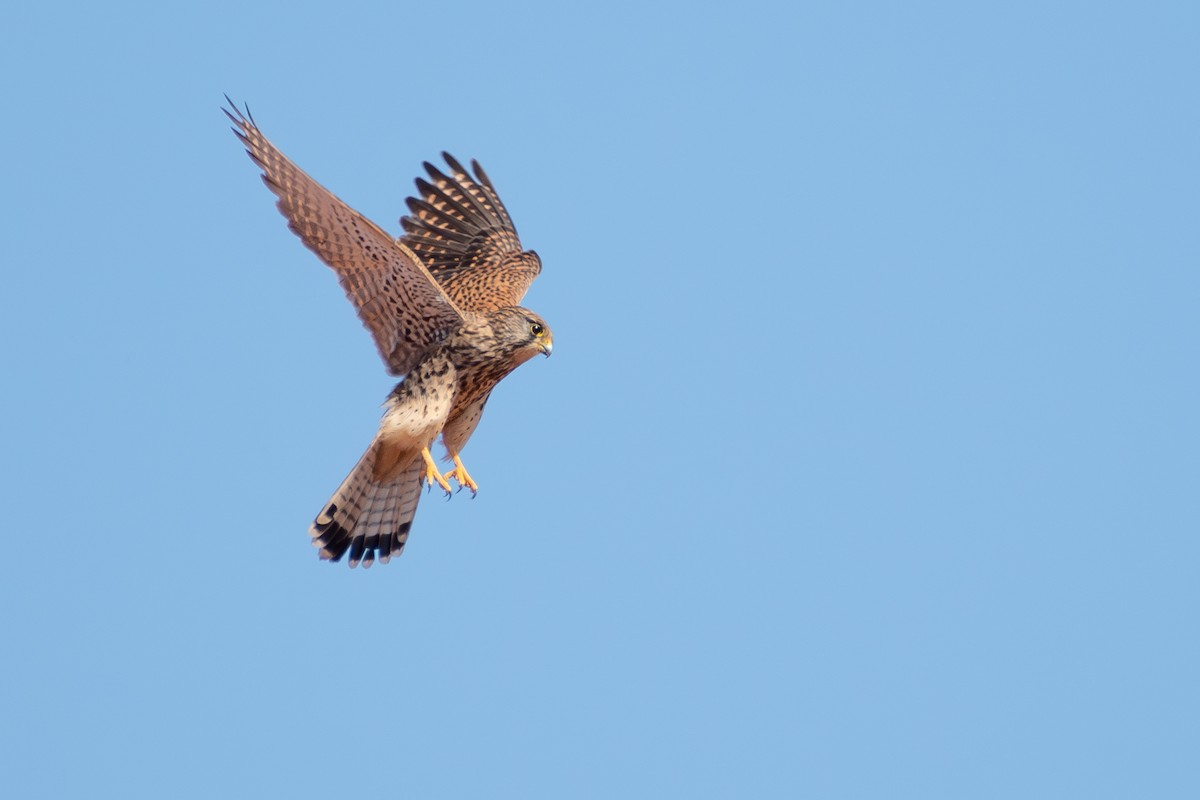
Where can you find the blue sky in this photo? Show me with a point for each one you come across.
(865, 466)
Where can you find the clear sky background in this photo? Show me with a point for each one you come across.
(865, 466)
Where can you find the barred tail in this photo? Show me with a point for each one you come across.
(368, 517)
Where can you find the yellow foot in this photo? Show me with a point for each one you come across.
(432, 475)
(459, 473)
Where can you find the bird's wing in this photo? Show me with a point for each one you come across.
(399, 302)
(463, 234)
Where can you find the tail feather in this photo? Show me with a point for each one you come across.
(369, 518)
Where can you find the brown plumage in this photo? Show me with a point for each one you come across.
(463, 234)
(441, 304)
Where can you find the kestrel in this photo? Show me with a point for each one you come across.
(441, 304)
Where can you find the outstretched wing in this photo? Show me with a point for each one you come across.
(463, 234)
(397, 299)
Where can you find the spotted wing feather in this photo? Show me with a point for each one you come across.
(463, 234)
(398, 300)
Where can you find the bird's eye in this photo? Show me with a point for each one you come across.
(536, 329)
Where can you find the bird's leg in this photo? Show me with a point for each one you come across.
(459, 473)
(432, 474)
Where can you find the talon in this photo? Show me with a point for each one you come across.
(432, 475)
(460, 474)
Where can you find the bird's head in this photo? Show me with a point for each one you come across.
(521, 332)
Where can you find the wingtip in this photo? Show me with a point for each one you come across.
(480, 175)
(433, 172)
(454, 164)
(240, 116)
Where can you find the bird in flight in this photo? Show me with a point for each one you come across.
(441, 304)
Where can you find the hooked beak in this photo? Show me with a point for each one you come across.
(546, 348)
